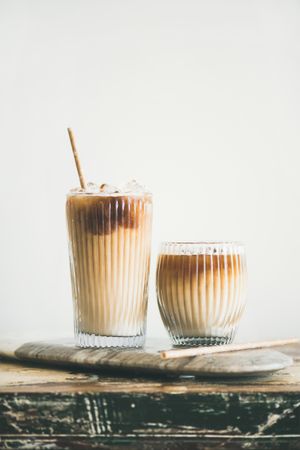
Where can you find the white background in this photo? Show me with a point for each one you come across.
(199, 100)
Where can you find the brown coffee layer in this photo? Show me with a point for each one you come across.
(103, 214)
(197, 265)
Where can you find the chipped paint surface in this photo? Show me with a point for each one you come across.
(273, 419)
(112, 415)
(209, 442)
(85, 411)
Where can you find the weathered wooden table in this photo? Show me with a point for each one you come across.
(62, 409)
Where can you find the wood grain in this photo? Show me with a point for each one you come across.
(27, 378)
(201, 443)
(148, 361)
(46, 408)
(136, 415)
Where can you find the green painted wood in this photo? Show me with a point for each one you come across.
(203, 443)
(49, 408)
(138, 415)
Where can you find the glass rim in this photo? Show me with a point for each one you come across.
(201, 247)
(106, 194)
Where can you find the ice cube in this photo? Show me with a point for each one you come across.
(77, 190)
(108, 189)
(134, 187)
(91, 188)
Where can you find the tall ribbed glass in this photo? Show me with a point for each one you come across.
(109, 246)
(201, 291)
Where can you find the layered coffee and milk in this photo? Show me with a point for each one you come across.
(201, 291)
(109, 241)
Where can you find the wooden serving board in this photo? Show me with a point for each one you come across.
(146, 360)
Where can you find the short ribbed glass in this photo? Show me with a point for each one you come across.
(109, 247)
(201, 290)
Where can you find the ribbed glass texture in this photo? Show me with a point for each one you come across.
(109, 246)
(201, 291)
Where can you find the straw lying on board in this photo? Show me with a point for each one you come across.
(198, 351)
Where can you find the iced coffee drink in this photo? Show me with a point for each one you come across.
(201, 291)
(109, 242)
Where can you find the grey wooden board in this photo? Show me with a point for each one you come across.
(147, 360)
